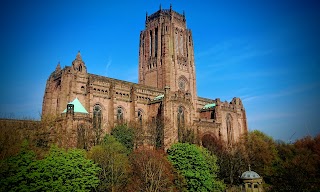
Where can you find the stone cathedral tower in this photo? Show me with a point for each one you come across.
(165, 93)
(166, 52)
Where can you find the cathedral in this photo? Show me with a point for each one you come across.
(165, 95)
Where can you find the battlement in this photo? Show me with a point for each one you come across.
(166, 13)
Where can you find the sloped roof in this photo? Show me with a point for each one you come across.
(208, 106)
(159, 97)
(78, 107)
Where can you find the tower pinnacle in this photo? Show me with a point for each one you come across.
(78, 57)
(78, 64)
(58, 68)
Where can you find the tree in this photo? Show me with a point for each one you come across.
(15, 170)
(124, 135)
(261, 153)
(63, 170)
(191, 162)
(112, 158)
(231, 159)
(60, 170)
(154, 132)
(10, 139)
(212, 160)
(187, 135)
(153, 172)
(298, 166)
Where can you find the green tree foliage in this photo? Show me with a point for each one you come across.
(212, 162)
(196, 165)
(16, 171)
(60, 170)
(112, 158)
(124, 135)
(153, 172)
(64, 170)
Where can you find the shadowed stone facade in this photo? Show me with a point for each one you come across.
(166, 90)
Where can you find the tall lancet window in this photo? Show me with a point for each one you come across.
(142, 44)
(229, 129)
(96, 121)
(176, 42)
(120, 115)
(180, 119)
(140, 117)
(150, 43)
(156, 42)
(181, 44)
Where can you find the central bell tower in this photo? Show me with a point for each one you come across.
(166, 56)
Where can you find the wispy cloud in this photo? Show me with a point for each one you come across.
(218, 48)
(109, 62)
(270, 116)
(293, 90)
(234, 59)
(249, 98)
(233, 51)
(249, 75)
(239, 57)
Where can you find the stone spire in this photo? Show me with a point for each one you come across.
(58, 68)
(78, 57)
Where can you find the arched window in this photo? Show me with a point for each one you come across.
(176, 42)
(181, 44)
(180, 120)
(180, 116)
(82, 142)
(120, 115)
(140, 116)
(229, 128)
(96, 121)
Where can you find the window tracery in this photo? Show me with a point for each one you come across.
(96, 121)
(140, 116)
(120, 114)
(229, 128)
(180, 116)
(182, 83)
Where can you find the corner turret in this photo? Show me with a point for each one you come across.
(58, 68)
(78, 64)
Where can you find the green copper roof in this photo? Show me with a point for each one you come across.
(158, 97)
(208, 106)
(78, 107)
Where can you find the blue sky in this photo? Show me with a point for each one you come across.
(266, 52)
